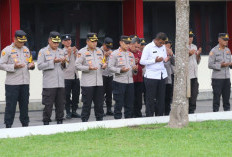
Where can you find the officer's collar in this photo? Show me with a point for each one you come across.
(120, 50)
(50, 49)
(89, 48)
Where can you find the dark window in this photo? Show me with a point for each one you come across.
(207, 19)
(38, 18)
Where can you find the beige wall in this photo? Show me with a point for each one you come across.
(204, 76)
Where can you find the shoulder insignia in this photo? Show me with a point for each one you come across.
(3, 53)
(13, 50)
(211, 53)
(39, 54)
(228, 52)
(78, 55)
(87, 53)
(24, 50)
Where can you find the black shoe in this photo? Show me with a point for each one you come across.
(68, 116)
(99, 119)
(8, 126)
(24, 125)
(75, 115)
(109, 113)
(84, 120)
(60, 122)
(46, 123)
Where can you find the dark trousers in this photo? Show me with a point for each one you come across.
(53, 96)
(107, 84)
(138, 93)
(92, 94)
(144, 92)
(194, 94)
(14, 94)
(124, 96)
(221, 87)
(72, 87)
(155, 96)
(168, 98)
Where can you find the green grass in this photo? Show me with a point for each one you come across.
(211, 138)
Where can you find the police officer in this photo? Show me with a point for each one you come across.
(138, 79)
(16, 60)
(89, 61)
(71, 76)
(142, 44)
(52, 61)
(153, 57)
(220, 62)
(107, 75)
(169, 82)
(122, 63)
(194, 60)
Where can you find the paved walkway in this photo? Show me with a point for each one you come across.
(36, 116)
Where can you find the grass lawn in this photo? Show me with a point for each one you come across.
(211, 138)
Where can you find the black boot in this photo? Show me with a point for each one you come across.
(109, 113)
(84, 120)
(46, 123)
(8, 126)
(24, 125)
(99, 119)
(68, 116)
(75, 115)
(60, 122)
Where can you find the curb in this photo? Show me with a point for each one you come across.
(74, 127)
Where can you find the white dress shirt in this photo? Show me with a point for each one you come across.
(154, 70)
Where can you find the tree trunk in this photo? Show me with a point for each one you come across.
(179, 107)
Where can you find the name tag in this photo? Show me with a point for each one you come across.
(89, 58)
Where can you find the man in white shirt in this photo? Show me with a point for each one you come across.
(153, 57)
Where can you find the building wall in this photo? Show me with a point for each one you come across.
(204, 77)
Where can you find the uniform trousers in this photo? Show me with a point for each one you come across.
(72, 87)
(107, 83)
(123, 94)
(221, 87)
(194, 94)
(138, 94)
(52, 96)
(14, 94)
(92, 94)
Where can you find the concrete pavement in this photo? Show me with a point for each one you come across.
(36, 116)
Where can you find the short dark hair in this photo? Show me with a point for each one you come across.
(135, 40)
(161, 36)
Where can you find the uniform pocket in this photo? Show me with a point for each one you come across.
(48, 58)
(121, 62)
(219, 58)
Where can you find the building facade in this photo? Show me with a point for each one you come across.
(110, 18)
